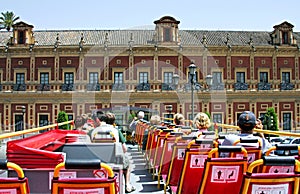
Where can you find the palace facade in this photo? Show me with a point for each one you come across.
(78, 71)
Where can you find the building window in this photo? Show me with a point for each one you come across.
(20, 78)
(43, 120)
(44, 78)
(143, 77)
(167, 34)
(285, 38)
(240, 77)
(93, 77)
(287, 121)
(217, 78)
(217, 118)
(285, 77)
(168, 77)
(21, 37)
(118, 78)
(263, 77)
(69, 78)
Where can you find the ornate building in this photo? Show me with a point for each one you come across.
(78, 71)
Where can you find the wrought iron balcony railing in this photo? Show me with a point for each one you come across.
(286, 86)
(263, 86)
(93, 87)
(166, 87)
(19, 87)
(217, 86)
(43, 87)
(118, 87)
(197, 86)
(67, 87)
(240, 86)
(143, 87)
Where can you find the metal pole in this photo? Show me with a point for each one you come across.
(192, 89)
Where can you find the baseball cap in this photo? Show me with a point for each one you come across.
(247, 118)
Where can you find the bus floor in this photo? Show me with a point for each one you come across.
(140, 176)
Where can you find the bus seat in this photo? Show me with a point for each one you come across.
(18, 185)
(223, 175)
(279, 182)
(105, 184)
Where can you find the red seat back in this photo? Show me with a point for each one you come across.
(191, 174)
(223, 175)
(105, 185)
(279, 182)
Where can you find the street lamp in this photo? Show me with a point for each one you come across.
(175, 80)
(192, 68)
(209, 80)
(23, 119)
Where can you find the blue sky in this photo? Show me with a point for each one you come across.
(257, 15)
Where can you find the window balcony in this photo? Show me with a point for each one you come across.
(67, 87)
(43, 87)
(240, 86)
(187, 87)
(143, 87)
(286, 86)
(93, 87)
(19, 87)
(118, 87)
(263, 86)
(167, 87)
(217, 86)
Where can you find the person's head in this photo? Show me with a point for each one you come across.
(140, 115)
(247, 122)
(155, 120)
(110, 118)
(178, 119)
(202, 121)
(79, 122)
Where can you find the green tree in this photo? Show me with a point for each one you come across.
(8, 19)
(270, 121)
(62, 117)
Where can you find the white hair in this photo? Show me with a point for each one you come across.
(140, 114)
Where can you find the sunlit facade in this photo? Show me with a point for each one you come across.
(78, 71)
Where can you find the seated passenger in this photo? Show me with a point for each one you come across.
(247, 122)
(108, 124)
(202, 123)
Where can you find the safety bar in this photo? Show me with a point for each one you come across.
(4, 164)
(275, 161)
(176, 133)
(228, 149)
(82, 164)
(188, 137)
(208, 133)
(248, 140)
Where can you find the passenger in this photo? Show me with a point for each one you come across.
(79, 122)
(247, 122)
(110, 120)
(132, 125)
(154, 121)
(179, 119)
(202, 123)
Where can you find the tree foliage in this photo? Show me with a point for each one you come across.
(62, 117)
(270, 121)
(7, 20)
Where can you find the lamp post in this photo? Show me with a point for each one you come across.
(192, 68)
(23, 119)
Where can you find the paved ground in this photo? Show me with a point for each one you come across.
(140, 176)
